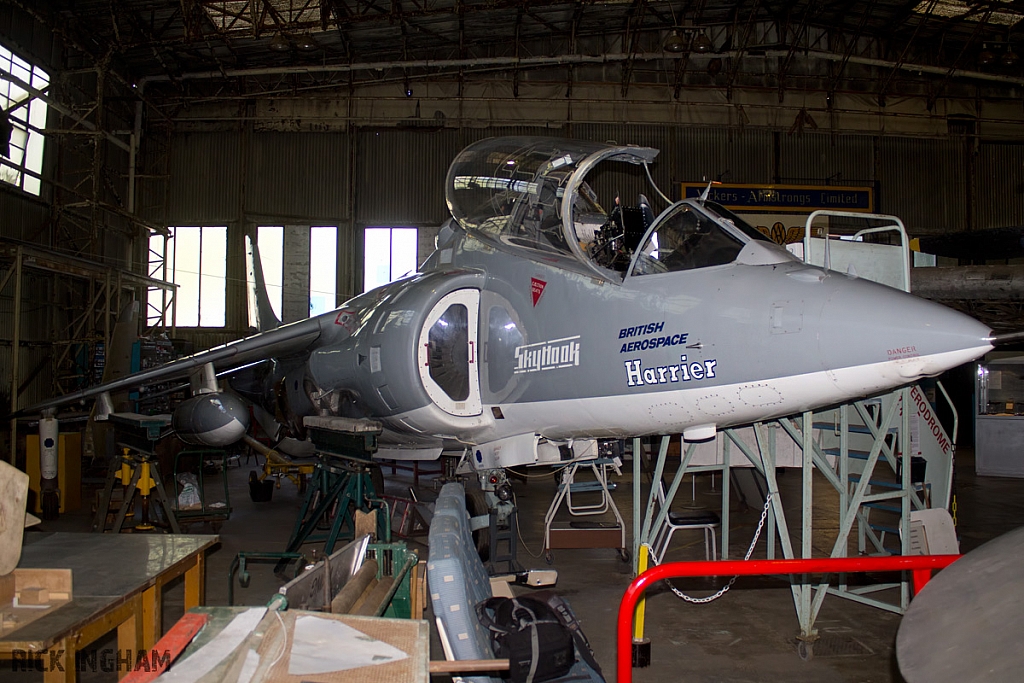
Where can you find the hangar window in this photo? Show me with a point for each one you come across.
(195, 259)
(388, 254)
(21, 122)
(270, 240)
(323, 269)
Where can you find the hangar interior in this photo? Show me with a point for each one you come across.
(134, 126)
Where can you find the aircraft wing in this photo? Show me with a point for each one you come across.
(283, 341)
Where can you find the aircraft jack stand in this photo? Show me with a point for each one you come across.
(509, 535)
(140, 476)
(334, 494)
(340, 485)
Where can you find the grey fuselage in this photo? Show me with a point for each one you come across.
(664, 353)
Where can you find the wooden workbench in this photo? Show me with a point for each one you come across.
(118, 582)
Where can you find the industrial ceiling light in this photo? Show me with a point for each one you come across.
(702, 44)
(1009, 58)
(279, 43)
(674, 42)
(305, 43)
(986, 56)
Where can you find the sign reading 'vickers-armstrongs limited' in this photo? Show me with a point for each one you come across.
(785, 198)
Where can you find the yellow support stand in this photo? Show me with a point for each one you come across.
(641, 645)
(139, 477)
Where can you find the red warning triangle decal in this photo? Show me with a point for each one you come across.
(536, 289)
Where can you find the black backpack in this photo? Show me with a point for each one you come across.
(538, 645)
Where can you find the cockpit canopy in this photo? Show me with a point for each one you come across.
(530, 193)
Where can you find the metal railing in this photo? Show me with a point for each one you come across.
(920, 566)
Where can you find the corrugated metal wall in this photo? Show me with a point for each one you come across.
(999, 185)
(204, 173)
(298, 175)
(400, 176)
(717, 154)
(287, 175)
(823, 158)
(924, 182)
(24, 218)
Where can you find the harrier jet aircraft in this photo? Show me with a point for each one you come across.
(550, 316)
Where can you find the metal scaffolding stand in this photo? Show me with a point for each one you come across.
(585, 534)
(102, 292)
(869, 454)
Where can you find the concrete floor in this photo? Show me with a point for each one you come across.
(747, 635)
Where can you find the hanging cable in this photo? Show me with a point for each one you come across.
(519, 533)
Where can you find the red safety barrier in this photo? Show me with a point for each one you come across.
(920, 566)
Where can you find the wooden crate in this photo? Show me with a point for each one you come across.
(28, 594)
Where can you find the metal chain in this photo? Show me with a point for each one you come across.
(724, 589)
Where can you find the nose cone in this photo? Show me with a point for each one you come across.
(895, 337)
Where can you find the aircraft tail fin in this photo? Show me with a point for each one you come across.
(261, 313)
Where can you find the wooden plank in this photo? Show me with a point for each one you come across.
(371, 605)
(170, 646)
(60, 668)
(6, 589)
(417, 577)
(195, 583)
(364, 596)
(129, 638)
(467, 666)
(343, 602)
(152, 615)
